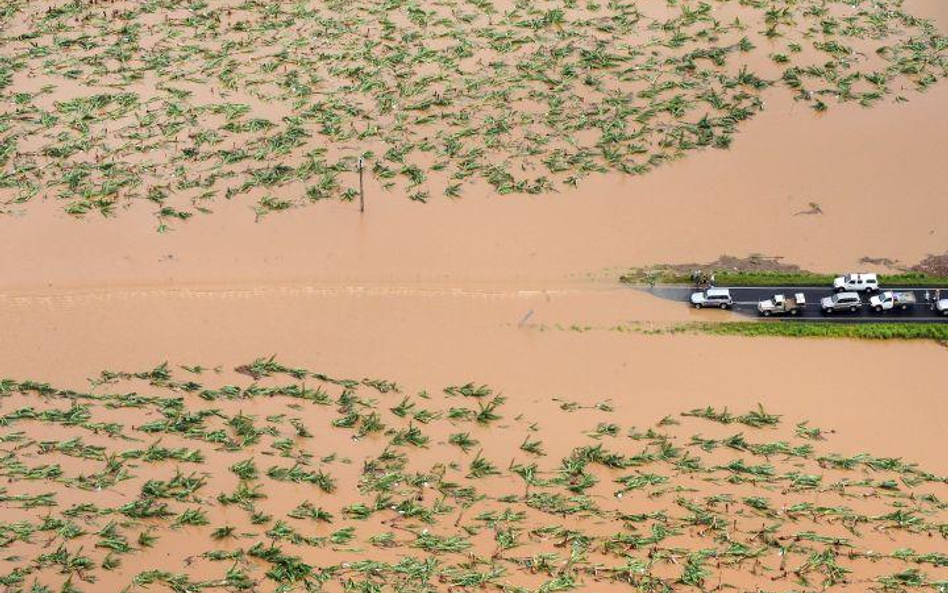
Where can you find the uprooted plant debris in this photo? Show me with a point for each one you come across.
(935, 265)
(291, 480)
(181, 103)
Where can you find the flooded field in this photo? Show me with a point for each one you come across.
(530, 345)
(872, 170)
(265, 475)
(461, 396)
(183, 105)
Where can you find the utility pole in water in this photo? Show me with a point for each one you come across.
(361, 166)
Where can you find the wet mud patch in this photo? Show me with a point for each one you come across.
(764, 270)
(933, 264)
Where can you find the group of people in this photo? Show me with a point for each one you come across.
(702, 280)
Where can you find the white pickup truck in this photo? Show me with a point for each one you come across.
(856, 283)
(889, 300)
(781, 305)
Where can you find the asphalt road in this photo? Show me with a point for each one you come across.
(746, 299)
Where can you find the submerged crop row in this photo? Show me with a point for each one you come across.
(276, 478)
(182, 103)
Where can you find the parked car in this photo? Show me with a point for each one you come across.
(888, 300)
(842, 301)
(781, 305)
(940, 306)
(712, 297)
(856, 283)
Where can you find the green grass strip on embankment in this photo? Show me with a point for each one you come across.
(803, 329)
(768, 278)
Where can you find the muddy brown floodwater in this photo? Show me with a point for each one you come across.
(522, 343)
(876, 174)
(877, 398)
(501, 290)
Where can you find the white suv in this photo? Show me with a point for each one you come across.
(713, 297)
(856, 283)
(844, 301)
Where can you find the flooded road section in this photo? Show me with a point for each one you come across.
(531, 346)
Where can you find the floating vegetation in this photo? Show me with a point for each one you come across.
(304, 497)
(180, 104)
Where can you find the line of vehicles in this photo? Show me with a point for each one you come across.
(846, 298)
